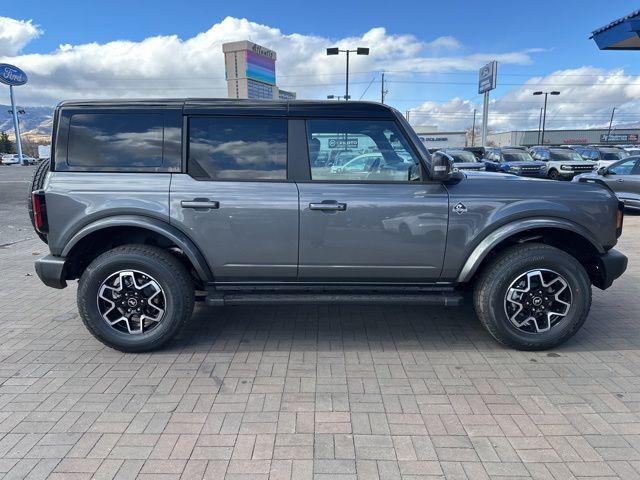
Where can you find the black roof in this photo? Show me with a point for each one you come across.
(244, 107)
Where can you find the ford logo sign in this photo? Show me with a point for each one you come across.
(12, 75)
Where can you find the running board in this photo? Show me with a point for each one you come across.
(445, 299)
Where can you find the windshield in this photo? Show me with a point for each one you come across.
(613, 154)
(460, 156)
(562, 154)
(516, 156)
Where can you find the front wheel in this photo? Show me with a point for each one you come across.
(135, 298)
(533, 297)
(554, 175)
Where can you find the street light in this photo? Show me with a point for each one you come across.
(357, 51)
(337, 97)
(544, 114)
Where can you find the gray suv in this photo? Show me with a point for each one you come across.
(154, 204)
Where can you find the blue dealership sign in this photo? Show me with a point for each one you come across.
(12, 75)
(488, 75)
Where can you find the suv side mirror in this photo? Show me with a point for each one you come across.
(602, 171)
(440, 168)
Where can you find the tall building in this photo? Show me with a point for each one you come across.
(250, 70)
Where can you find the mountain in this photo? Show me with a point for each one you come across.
(36, 121)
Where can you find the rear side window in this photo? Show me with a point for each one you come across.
(115, 140)
(237, 148)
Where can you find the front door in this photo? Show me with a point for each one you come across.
(235, 201)
(624, 179)
(366, 216)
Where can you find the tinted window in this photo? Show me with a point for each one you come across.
(623, 168)
(237, 148)
(516, 156)
(360, 150)
(613, 154)
(115, 140)
(460, 156)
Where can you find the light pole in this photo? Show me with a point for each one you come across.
(357, 51)
(337, 97)
(544, 114)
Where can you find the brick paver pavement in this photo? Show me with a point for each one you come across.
(331, 392)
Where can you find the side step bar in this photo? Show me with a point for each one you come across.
(445, 299)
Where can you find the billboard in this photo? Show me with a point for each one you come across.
(261, 67)
(488, 77)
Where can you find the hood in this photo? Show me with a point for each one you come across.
(525, 164)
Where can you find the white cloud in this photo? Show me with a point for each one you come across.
(587, 96)
(15, 34)
(171, 66)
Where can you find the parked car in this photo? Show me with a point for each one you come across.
(10, 159)
(479, 152)
(223, 197)
(514, 160)
(623, 177)
(461, 159)
(14, 159)
(563, 163)
(603, 155)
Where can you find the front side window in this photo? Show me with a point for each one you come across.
(360, 150)
(226, 148)
(115, 140)
(623, 168)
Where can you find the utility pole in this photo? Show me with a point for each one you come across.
(383, 92)
(473, 129)
(610, 123)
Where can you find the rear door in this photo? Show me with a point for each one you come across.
(624, 179)
(383, 225)
(235, 200)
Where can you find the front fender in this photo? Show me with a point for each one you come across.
(481, 250)
(160, 227)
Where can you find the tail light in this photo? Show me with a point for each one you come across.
(40, 211)
(619, 219)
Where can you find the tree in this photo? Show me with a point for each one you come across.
(6, 145)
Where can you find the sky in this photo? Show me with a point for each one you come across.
(430, 51)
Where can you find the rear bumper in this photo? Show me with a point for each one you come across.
(609, 266)
(51, 270)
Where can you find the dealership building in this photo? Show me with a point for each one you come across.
(432, 138)
(528, 138)
(250, 70)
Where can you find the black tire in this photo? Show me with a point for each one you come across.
(166, 269)
(37, 182)
(554, 175)
(496, 278)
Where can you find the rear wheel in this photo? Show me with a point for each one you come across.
(37, 182)
(135, 298)
(533, 297)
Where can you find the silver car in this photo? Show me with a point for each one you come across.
(623, 177)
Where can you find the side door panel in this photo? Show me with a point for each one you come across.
(387, 233)
(252, 235)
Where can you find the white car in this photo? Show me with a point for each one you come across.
(10, 159)
(13, 159)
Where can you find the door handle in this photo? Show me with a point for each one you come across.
(328, 206)
(200, 203)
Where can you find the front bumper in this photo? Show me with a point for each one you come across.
(608, 267)
(51, 270)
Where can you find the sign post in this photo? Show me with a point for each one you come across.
(487, 81)
(13, 76)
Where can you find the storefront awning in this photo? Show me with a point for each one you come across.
(621, 34)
